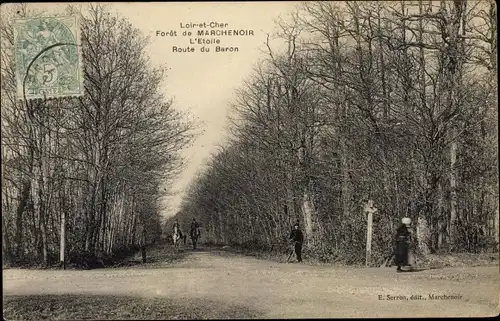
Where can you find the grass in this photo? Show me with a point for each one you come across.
(101, 307)
(157, 256)
(431, 261)
(463, 259)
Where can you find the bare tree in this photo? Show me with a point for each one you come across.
(99, 159)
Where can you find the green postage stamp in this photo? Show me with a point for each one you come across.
(48, 57)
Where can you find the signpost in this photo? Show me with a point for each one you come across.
(369, 210)
(63, 240)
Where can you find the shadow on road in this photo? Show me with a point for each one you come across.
(103, 307)
(415, 270)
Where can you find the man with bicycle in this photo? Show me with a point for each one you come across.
(297, 237)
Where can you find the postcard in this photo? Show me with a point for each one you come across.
(222, 160)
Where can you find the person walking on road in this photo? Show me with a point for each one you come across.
(402, 241)
(195, 232)
(297, 237)
(195, 227)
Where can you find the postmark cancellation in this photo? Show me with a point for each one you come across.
(48, 57)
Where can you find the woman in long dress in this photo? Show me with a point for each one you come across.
(402, 241)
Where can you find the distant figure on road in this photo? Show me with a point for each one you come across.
(297, 237)
(195, 227)
(402, 241)
(195, 232)
(176, 224)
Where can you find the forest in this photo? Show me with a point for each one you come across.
(93, 166)
(394, 102)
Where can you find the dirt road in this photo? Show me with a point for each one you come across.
(219, 280)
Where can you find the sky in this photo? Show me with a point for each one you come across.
(201, 84)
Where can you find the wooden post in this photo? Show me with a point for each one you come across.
(496, 220)
(62, 249)
(369, 238)
(369, 209)
(143, 241)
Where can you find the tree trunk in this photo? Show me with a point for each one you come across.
(25, 194)
(308, 209)
(222, 233)
(45, 243)
(440, 216)
(453, 191)
(496, 224)
(143, 241)
(62, 249)
(346, 195)
(423, 235)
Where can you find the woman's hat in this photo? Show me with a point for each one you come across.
(406, 220)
